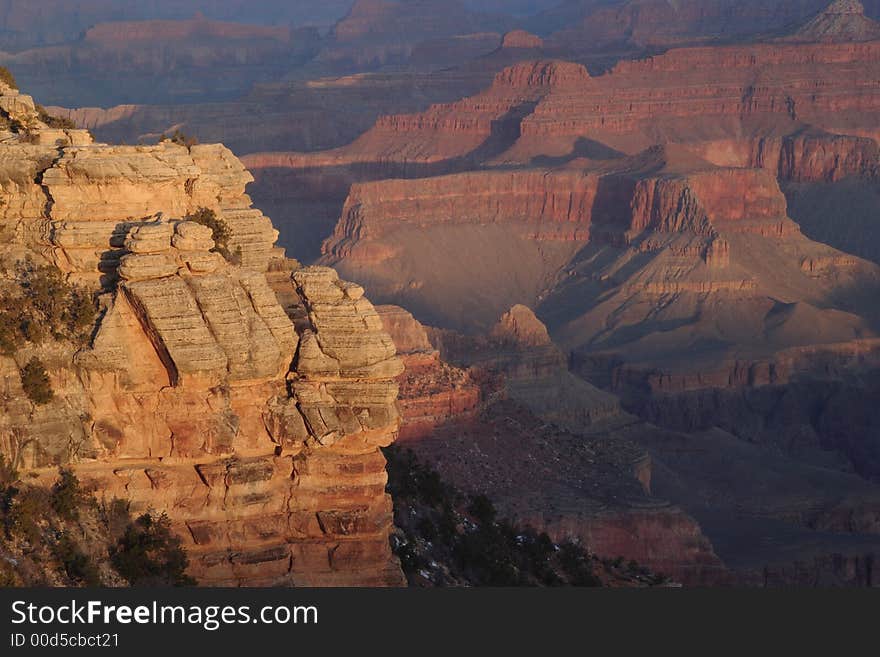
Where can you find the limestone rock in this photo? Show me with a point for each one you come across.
(347, 330)
(150, 238)
(18, 106)
(146, 266)
(521, 39)
(190, 236)
(202, 262)
(170, 310)
(251, 350)
(197, 395)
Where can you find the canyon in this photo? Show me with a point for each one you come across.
(624, 257)
(662, 220)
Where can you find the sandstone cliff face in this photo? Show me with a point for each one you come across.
(487, 123)
(538, 204)
(257, 430)
(97, 192)
(574, 206)
(719, 82)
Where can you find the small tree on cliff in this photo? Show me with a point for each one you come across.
(7, 77)
(181, 138)
(67, 495)
(53, 121)
(35, 382)
(150, 554)
(220, 232)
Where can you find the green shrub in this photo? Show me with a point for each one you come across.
(11, 335)
(416, 480)
(149, 554)
(576, 565)
(468, 538)
(8, 472)
(59, 122)
(7, 77)
(28, 513)
(116, 516)
(35, 382)
(80, 314)
(46, 291)
(8, 578)
(181, 138)
(220, 232)
(44, 304)
(8, 491)
(78, 566)
(482, 509)
(67, 495)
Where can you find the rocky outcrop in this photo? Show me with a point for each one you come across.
(842, 20)
(519, 326)
(96, 193)
(256, 427)
(269, 482)
(805, 156)
(432, 392)
(827, 158)
(538, 204)
(517, 359)
(521, 39)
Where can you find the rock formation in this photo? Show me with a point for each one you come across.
(521, 39)
(842, 20)
(257, 430)
(432, 392)
(673, 219)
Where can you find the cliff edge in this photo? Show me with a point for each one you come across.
(221, 383)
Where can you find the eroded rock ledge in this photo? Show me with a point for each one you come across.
(256, 427)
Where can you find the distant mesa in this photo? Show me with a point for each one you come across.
(843, 20)
(522, 39)
(545, 73)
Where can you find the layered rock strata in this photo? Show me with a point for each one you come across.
(256, 427)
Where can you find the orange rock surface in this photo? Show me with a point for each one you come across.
(256, 427)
